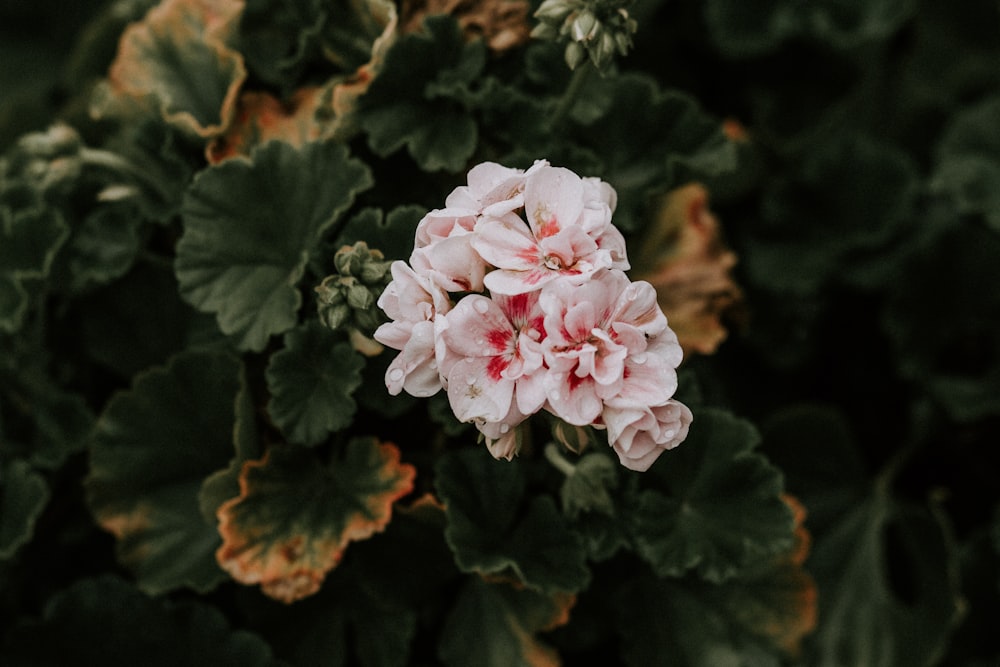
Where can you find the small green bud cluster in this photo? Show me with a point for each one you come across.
(346, 299)
(599, 29)
(44, 160)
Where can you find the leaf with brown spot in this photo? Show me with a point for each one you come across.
(295, 515)
(687, 262)
(178, 56)
(503, 24)
(261, 117)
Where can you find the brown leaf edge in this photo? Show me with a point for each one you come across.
(284, 571)
(212, 23)
(685, 258)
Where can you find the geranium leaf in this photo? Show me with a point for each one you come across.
(740, 30)
(295, 516)
(29, 241)
(652, 140)
(311, 382)
(887, 586)
(223, 485)
(589, 488)
(713, 505)
(392, 234)
(682, 624)
(104, 246)
(249, 228)
(368, 601)
(106, 621)
(178, 55)
(856, 226)
(968, 168)
(951, 350)
(23, 496)
(277, 37)
(152, 447)
(495, 625)
(397, 109)
(492, 530)
(140, 321)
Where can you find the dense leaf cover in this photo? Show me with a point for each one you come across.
(200, 463)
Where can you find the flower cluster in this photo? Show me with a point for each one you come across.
(515, 300)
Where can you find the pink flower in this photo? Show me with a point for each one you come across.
(492, 355)
(597, 346)
(503, 438)
(492, 189)
(414, 304)
(567, 234)
(640, 435)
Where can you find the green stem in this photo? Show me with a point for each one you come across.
(572, 92)
(557, 460)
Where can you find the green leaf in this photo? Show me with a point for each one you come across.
(814, 446)
(713, 504)
(392, 234)
(681, 623)
(249, 229)
(29, 241)
(495, 625)
(859, 197)
(224, 484)
(278, 37)
(141, 321)
(408, 103)
(492, 530)
(589, 486)
(942, 323)
(152, 447)
(23, 496)
(311, 382)
(178, 56)
(368, 602)
(652, 140)
(968, 161)
(887, 586)
(742, 30)
(102, 621)
(295, 516)
(104, 246)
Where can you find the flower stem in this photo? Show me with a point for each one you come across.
(572, 92)
(557, 460)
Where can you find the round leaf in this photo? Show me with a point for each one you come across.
(294, 516)
(105, 621)
(715, 505)
(311, 383)
(491, 532)
(249, 229)
(152, 447)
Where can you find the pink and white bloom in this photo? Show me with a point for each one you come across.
(492, 189)
(597, 338)
(640, 435)
(493, 357)
(567, 234)
(547, 318)
(414, 305)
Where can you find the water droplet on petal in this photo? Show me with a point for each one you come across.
(481, 306)
(433, 365)
(470, 380)
(669, 433)
(480, 341)
(504, 428)
(639, 358)
(396, 374)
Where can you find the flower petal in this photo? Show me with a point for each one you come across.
(553, 200)
(475, 395)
